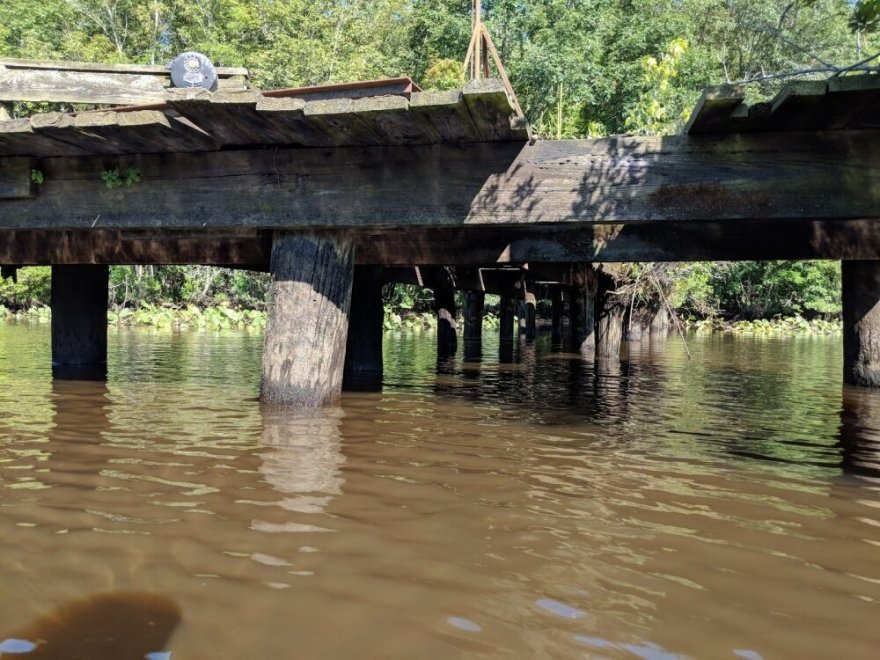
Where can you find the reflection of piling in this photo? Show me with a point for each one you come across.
(860, 432)
(303, 455)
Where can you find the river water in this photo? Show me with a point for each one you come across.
(719, 506)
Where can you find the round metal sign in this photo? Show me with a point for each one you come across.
(193, 70)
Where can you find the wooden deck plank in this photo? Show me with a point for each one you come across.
(57, 82)
(15, 178)
(798, 106)
(712, 112)
(492, 111)
(339, 120)
(229, 117)
(447, 113)
(18, 138)
(287, 116)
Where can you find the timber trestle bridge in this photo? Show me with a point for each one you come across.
(338, 189)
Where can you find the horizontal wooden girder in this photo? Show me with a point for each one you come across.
(465, 246)
(623, 180)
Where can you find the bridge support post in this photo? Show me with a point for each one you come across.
(583, 318)
(531, 303)
(474, 302)
(447, 326)
(556, 323)
(609, 325)
(79, 321)
(363, 348)
(506, 309)
(861, 322)
(309, 301)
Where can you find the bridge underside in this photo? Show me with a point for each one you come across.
(392, 182)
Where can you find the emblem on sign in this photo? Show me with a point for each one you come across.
(193, 70)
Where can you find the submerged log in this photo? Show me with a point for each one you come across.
(79, 321)
(309, 302)
(363, 348)
(861, 322)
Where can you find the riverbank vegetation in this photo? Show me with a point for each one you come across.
(581, 68)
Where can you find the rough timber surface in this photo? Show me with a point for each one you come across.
(198, 120)
(838, 103)
(83, 82)
(781, 176)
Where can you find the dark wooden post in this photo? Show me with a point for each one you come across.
(79, 321)
(363, 348)
(309, 300)
(474, 302)
(861, 322)
(609, 326)
(583, 312)
(556, 327)
(505, 327)
(531, 322)
(444, 306)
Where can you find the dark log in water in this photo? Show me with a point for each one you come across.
(114, 626)
(363, 348)
(861, 322)
(310, 296)
(79, 321)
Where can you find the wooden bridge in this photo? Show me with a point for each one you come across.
(326, 186)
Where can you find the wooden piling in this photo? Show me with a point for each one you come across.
(556, 322)
(505, 327)
(363, 348)
(447, 326)
(609, 325)
(309, 302)
(583, 319)
(861, 322)
(79, 321)
(474, 303)
(531, 303)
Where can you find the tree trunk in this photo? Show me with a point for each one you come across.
(309, 301)
(609, 328)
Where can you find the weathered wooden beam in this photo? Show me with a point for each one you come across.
(447, 113)
(80, 82)
(833, 175)
(492, 111)
(857, 239)
(15, 178)
(310, 296)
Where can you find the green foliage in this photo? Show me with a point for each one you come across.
(866, 16)
(112, 178)
(443, 74)
(33, 288)
(37, 177)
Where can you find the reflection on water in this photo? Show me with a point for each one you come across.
(725, 505)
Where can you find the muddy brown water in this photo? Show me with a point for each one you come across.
(722, 506)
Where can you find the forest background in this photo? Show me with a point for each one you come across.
(581, 68)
